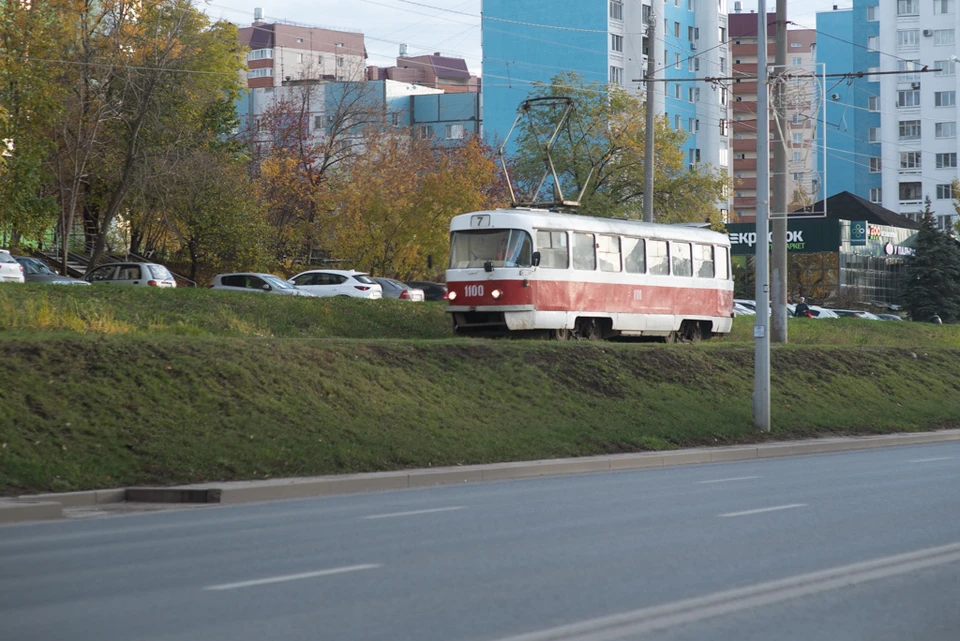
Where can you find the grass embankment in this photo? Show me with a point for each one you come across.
(82, 412)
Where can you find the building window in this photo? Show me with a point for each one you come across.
(616, 76)
(911, 191)
(320, 60)
(691, 95)
(796, 61)
(871, 77)
(616, 42)
(874, 134)
(910, 160)
(943, 37)
(796, 45)
(910, 98)
(318, 122)
(873, 103)
(616, 10)
(797, 156)
(944, 192)
(299, 40)
(875, 165)
(676, 122)
(797, 119)
(906, 39)
(340, 61)
(724, 156)
(947, 161)
(909, 129)
(676, 91)
(908, 7)
(876, 194)
(676, 29)
(423, 131)
(797, 139)
(946, 130)
(453, 132)
(873, 42)
(945, 98)
(676, 61)
(689, 5)
(724, 127)
(260, 54)
(946, 67)
(797, 176)
(723, 64)
(723, 35)
(942, 6)
(260, 73)
(872, 13)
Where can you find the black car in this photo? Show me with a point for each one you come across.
(431, 291)
(37, 271)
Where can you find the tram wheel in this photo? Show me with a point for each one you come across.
(589, 330)
(562, 334)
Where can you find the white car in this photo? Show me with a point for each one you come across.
(10, 270)
(255, 282)
(336, 282)
(143, 274)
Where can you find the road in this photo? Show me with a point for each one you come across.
(858, 545)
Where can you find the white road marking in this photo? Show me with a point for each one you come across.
(414, 512)
(292, 577)
(764, 509)
(927, 460)
(738, 478)
(631, 625)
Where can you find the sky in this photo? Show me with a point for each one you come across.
(451, 27)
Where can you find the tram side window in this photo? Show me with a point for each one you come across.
(634, 257)
(658, 258)
(608, 252)
(723, 264)
(703, 261)
(682, 263)
(583, 252)
(552, 246)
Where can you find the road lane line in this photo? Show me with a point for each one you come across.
(738, 478)
(761, 510)
(414, 512)
(292, 577)
(631, 625)
(927, 460)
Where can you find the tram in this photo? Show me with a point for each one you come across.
(542, 273)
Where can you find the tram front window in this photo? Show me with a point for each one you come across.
(501, 247)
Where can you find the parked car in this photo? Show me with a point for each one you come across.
(431, 291)
(37, 271)
(336, 282)
(855, 313)
(822, 312)
(892, 317)
(401, 291)
(10, 270)
(143, 274)
(255, 282)
(743, 310)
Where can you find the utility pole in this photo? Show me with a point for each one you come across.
(778, 333)
(648, 153)
(761, 365)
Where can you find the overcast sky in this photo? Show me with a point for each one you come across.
(449, 26)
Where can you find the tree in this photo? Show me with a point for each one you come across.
(395, 202)
(602, 149)
(933, 274)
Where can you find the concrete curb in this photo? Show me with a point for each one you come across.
(50, 506)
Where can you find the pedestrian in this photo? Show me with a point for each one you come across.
(802, 309)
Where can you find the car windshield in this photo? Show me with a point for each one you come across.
(363, 278)
(33, 267)
(160, 272)
(277, 282)
(7, 258)
(501, 247)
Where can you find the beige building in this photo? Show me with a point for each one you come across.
(799, 127)
(436, 71)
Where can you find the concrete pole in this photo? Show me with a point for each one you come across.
(761, 335)
(778, 333)
(648, 148)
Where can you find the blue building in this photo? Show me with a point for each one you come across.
(849, 159)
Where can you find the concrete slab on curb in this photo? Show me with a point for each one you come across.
(173, 495)
(17, 511)
(444, 476)
(78, 499)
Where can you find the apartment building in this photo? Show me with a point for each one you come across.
(606, 42)
(918, 142)
(282, 52)
(447, 73)
(799, 128)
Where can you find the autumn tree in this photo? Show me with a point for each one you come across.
(395, 202)
(601, 151)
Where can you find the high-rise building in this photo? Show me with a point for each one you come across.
(800, 118)
(437, 71)
(918, 113)
(526, 42)
(849, 142)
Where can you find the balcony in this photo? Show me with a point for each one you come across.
(743, 184)
(745, 202)
(745, 106)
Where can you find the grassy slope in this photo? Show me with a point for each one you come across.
(87, 411)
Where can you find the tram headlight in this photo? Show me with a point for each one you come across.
(495, 293)
(452, 296)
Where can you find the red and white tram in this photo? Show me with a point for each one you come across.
(564, 275)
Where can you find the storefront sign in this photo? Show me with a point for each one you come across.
(897, 250)
(858, 232)
(803, 237)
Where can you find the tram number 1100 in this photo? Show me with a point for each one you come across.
(473, 290)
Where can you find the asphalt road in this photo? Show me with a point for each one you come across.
(852, 546)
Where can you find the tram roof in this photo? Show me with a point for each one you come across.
(541, 218)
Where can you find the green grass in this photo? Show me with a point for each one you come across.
(105, 309)
(854, 332)
(86, 411)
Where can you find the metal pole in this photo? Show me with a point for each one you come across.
(761, 335)
(778, 290)
(648, 151)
